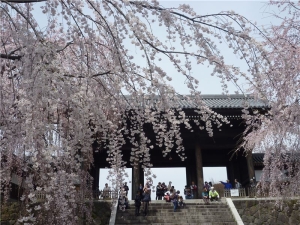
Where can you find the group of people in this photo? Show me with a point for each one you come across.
(123, 197)
(168, 193)
(190, 191)
(163, 192)
(209, 193)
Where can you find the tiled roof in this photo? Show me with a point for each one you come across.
(212, 101)
(258, 158)
(225, 101)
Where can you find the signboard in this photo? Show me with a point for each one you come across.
(234, 192)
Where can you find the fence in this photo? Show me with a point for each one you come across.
(241, 192)
(96, 195)
(245, 192)
(107, 195)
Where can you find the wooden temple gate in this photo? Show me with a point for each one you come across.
(200, 149)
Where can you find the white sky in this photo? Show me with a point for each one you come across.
(177, 175)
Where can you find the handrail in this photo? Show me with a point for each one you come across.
(234, 212)
(113, 214)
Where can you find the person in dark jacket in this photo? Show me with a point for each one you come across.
(126, 188)
(159, 191)
(137, 203)
(141, 187)
(146, 201)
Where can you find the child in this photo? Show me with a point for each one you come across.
(137, 203)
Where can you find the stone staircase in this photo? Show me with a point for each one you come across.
(194, 212)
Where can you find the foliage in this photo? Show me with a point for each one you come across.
(277, 133)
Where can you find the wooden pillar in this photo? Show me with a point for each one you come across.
(250, 165)
(95, 171)
(199, 168)
(188, 171)
(230, 172)
(136, 174)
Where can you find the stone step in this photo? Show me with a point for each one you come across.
(174, 223)
(183, 211)
(194, 212)
(153, 219)
(212, 205)
(186, 206)
(177, 215)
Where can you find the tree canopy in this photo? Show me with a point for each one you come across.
(66, 84)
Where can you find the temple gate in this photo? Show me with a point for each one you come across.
(200, 149)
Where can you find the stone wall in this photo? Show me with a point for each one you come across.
(266, 212)
(10, 213)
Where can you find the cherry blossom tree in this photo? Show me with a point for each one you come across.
(77, 79)
(277, 80)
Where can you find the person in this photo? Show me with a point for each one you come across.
(180, 201)
(106, 191)
(123, 201)
(172, 190)
(164, 188)
(147, 187)
(174, 200)
(227, 184)
(210, 184)
(137, 203)
(159, 191)
(252, 188)
(207, 186)
(126, 188)
(252, 183)
(187, 192)
(194, 189)
(205, 195)
(169, 185)
(167, 196)
(141, 189)
(213, 194)
(237, 184)
(146, 201)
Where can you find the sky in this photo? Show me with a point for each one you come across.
(254, 11)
